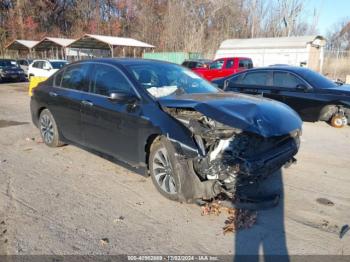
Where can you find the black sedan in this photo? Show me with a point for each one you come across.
(10, 71)
(313, 96)
(195, 140)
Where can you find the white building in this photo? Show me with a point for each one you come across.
(298, 50)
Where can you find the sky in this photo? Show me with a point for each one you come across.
(330, 12)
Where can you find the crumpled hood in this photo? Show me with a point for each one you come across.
(254, 114)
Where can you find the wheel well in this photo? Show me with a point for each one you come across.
(150, 140)
(328, 111)
(39, 111)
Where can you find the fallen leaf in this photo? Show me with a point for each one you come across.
(104, 241)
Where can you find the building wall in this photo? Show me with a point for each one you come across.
(266, 57)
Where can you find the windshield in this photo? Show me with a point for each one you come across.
(317, 80)
(8, 63)
(58, 65)
(165, 79)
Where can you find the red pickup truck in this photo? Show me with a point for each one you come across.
(224, 67)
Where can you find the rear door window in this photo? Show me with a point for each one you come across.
(255, 79)
(76, 77)
(37, 64)
(285, 79)
(229, 63)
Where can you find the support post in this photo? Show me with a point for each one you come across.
(112, 50)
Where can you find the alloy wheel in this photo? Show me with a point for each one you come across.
(163, 171)
(46, 129)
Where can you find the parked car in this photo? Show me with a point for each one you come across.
(24, 64)
(197, 63)
(224, 67)
(195, 140)
(45, 68)
(313, 96)
(10, 71)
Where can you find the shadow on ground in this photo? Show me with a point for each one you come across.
(266, 238)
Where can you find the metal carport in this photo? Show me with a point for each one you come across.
(55, 46)
(22, 45)
(102, 42)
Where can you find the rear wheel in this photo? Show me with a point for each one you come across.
(48, 129)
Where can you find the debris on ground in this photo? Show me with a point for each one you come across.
(104, 241)
(119, 219)
(237, 219)
(343, 231)
(324, 201)
(38, 140)
(140, 203)
(28, 149)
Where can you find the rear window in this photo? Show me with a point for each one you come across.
(245, 63)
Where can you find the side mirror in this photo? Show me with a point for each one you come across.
(46, 68)
(122, 97)
(303, 88)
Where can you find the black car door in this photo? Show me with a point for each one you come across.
(65, 99)
(109, 126)
(298, 94)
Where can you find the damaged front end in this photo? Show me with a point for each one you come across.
(229, 157)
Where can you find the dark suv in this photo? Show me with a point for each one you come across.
(195, 140)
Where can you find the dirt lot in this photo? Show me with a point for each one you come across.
(69, 201)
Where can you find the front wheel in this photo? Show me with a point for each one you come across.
(162, 166)
(338, 121)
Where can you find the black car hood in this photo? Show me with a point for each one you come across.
(258, 115)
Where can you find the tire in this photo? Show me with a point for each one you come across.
(163, 167)
(338, 121)
(48, 129)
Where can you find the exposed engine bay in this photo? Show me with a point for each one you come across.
(231, 156)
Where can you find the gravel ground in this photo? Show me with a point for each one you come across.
(69, 201)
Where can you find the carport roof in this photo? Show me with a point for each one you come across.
(21, 44)
(89, 41)
(273, 42)
(52, 42)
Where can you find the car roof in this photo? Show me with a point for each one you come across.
(294, 69)
(125, 61)
(50, 60)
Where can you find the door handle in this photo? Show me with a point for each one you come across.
(87, 103)
(53, 94)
